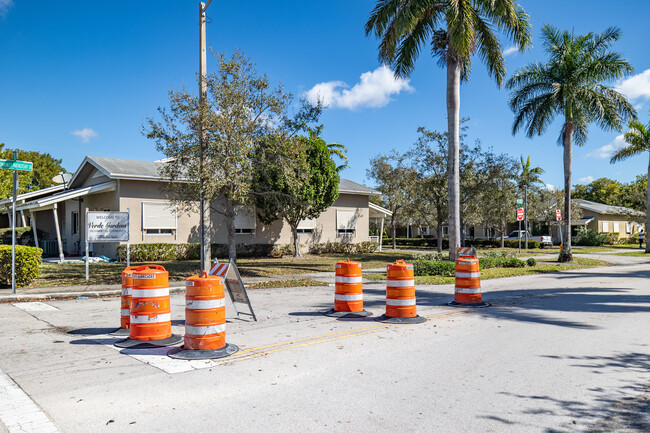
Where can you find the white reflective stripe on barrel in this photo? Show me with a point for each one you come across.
(459, 290)
(348, 297)
(205, 330)
(400, 283)
(399, 302)
(193, 304)
(468, 274)
(125, 312)
(460, 262)
(126, 292)
(166, 317)
(149, 293)
(348, 279)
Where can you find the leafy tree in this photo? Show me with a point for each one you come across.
(395, 182)
(635, 193)
(638, 139)
(603, 190)
(295, 179)
(571, 85)
(45, 168)
(240, 110)
(529, 176)
(456, 31)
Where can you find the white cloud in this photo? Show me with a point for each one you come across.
(637, 86)
(85, 135)
(373, 90)
(550, 187)
(606, 151)
(586, 179)
(510, 50)
(5, 5)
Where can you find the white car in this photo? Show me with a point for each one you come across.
(544, 241)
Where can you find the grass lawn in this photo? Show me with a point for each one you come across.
(542, 267)
(640, 253)
(73, 274)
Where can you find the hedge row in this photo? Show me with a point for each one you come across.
(448, 269)
(28, 261)
(478, 243)
(344, 248)
(24, 236)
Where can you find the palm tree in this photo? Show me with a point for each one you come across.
(456, 30)
(529, 176)
(571, 85)
(638, 138)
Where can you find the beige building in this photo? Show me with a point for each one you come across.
(110, 184)
(610, 219)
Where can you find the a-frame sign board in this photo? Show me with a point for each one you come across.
(234, 285)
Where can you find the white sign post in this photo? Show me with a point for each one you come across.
(107, 226)
(520, 216)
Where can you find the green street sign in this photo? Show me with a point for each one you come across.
(11, 164)
(520, 201)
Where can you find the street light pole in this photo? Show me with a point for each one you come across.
(203, 96)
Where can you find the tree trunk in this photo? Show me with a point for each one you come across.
(392, 229)
(503, 231)
(647, 213)
(565, 253)
(296, 243)
(439, 236)
(453, 133)
(230, 225)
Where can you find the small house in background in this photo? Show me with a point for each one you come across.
(111, 184)
(610, 219)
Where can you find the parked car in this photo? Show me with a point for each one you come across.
(544, 241)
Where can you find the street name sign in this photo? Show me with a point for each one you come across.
(12, 164)
(520, 201)
(520, 213)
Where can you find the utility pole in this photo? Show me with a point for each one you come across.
(526, 213)
(203, 96)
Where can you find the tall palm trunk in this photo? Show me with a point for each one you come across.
(567, 139)
(453, 133)
(647, 213)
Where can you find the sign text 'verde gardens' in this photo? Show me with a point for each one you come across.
(108, 226)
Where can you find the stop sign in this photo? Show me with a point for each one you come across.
(558, 214)
(520, 213)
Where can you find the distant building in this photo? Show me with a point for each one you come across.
(111, 184)
(609, 219)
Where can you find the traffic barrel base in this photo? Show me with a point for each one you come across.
(346, 314)
(120, 332)
(181, 353)
(481, 304)
(129, 343)
(401, 320)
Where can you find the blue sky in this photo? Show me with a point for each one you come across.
(79, 78)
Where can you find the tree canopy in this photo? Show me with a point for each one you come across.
(45, 168)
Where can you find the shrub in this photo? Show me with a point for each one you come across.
(531, 261)
(155, 252)
(503, 262)
(28, 261)
(590, 238)
(612, 238)
(633, 239)
(416, 242)
(24, 236)
(498, 254)
(344, 248)
(430, 267)
(430, 256)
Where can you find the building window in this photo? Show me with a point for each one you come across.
(306, 226)
(245, 219)
(346, 221)
(158, 217)
(628, 228)
(75, 222)
(159, 231)
(616, 227)
(605, 227)
(445, 231)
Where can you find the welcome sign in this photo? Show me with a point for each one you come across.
(107, 226)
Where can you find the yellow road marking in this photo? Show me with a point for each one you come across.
(338, 336)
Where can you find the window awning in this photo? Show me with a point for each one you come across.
(377, 211)
(46, 202)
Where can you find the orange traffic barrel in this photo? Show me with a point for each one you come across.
(125, 303)
(348, 291)
(400, 294)
(467, 291)
(205, 320)
(150, 318)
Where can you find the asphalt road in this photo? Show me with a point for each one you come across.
(558, 352)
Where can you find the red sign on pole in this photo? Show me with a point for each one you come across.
(558, 214)
(520, 213)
